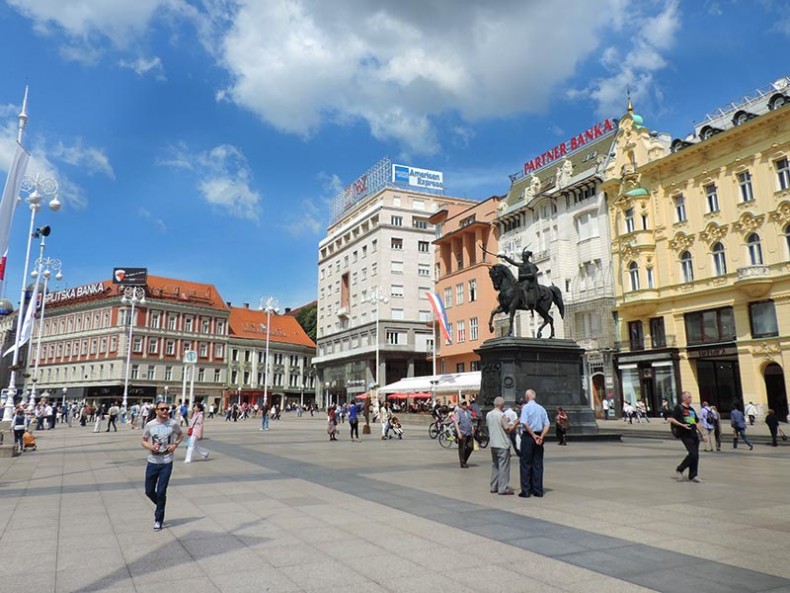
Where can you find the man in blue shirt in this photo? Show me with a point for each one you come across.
(535, 425)
(353, 421)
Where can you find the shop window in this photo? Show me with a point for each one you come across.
(762, 317)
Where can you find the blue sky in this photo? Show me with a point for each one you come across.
(204, 139)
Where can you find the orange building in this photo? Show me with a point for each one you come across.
(461, 273)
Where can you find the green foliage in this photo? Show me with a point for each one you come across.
(308, 319)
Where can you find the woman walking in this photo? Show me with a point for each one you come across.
(331, 426)
(561, 426)
(195, 433)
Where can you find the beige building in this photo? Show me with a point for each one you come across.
(701, 255)
(375, 267)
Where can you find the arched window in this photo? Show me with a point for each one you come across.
(687, 267)
(633, 274)
(755, 249)
(719, 259)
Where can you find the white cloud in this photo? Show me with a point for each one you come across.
(158, 223)
(299, 64)
(143, 66)
(43, 158)
(223, 178)
(307, 218)
(83, 20)
(654, 36)
(91, 159)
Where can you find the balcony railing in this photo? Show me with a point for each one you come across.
(642, 344)
(752, 272)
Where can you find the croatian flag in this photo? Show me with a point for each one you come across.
(27, 323)
(440, 313)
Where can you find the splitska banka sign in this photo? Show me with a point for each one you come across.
(569, 146)
(75, 293)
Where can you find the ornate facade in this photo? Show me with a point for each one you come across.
(701, 254)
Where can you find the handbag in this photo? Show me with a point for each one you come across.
(783, 435)
(189, 431)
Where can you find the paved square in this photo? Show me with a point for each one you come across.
(288, 511)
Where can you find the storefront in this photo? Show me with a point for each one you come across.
(718, 375)
(654, 377)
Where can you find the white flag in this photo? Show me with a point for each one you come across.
(8, 203)
(27, 324)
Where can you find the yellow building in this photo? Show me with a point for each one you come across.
(701, 257)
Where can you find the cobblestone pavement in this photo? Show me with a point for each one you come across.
(287, 511)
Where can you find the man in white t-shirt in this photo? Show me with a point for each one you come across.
(161, 437)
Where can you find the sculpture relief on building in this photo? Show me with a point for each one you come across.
(782, 213)
(532, 189)
(563, 174)
(713, 232)
(748, 223)
(681, 242)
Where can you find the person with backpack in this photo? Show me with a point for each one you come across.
(710, 420)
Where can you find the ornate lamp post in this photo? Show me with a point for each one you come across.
(134, 295)
(36, 189)
(270, 307)
(377, 298)
(48, 264)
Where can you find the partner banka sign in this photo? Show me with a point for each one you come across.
(79, 292)
(578, 141)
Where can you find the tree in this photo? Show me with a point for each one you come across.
(307, 317)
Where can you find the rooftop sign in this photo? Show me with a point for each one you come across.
(423, 178)
(576, 142)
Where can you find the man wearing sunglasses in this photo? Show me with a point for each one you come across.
(161, 437)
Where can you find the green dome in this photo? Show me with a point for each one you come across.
(638, 192)
(637, 119)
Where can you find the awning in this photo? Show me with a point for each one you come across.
(440, 384)
(421, 396)
(397, 396)
(362, 396)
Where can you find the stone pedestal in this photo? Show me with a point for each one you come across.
(553, 368)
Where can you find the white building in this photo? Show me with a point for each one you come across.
(376, 263)
(555, 208)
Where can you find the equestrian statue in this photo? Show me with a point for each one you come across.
(524, 293)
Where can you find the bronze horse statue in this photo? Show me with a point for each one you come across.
(511, 299)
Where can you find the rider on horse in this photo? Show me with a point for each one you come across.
(527, 276)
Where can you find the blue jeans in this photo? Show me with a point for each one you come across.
(157, 477)
(531, 466)
(740, 432)
(265, 422)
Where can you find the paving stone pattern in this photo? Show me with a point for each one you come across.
(287, 510)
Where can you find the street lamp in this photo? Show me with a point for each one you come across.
(377, 298)
(270, 306)
(36, 189)
(48, 264)
(134, 295)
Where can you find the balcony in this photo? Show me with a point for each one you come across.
(342, 312)
(754, 281)
(540, 256)
(639, 303)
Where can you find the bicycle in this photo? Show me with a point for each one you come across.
(435, 427)
(447, 436)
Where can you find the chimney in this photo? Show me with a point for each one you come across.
(228, 304)
(287, 310)
(246, 305)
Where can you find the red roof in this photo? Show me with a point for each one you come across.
(251, 323)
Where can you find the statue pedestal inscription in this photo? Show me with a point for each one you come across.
(553, 368)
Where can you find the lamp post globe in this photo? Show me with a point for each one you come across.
(133, 296)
